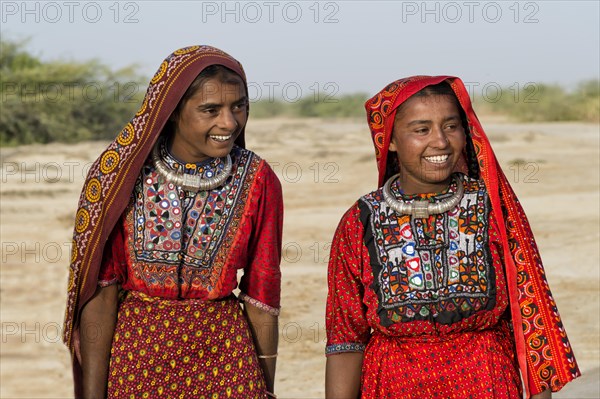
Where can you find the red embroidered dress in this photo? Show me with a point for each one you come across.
(425, 295)
(186, 248)
(179, 332)
(452, 306)
(176, 244)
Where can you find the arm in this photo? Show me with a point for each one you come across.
(348, 330)
(260, 285)
(264, 330)
(342, 376)
(98, 319)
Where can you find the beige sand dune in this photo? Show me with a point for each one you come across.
(324, 165)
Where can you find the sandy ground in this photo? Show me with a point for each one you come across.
(324, 165)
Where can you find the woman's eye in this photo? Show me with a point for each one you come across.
(422, 131)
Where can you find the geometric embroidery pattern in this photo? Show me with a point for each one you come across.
(179, 237)
(437, 268)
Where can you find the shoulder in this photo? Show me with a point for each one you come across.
(256, 166)
(350, 220)
(370, 201)
(353, 213)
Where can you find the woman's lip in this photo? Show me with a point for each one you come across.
(437, 159)
(221, 138)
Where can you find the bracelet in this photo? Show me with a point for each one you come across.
(267, 356)
(272, 395)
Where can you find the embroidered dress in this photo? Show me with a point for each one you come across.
(423, 294)
(174, 245)
(176, 254)
(455, 305)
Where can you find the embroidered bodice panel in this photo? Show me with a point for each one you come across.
(181, 239)
(437, 268)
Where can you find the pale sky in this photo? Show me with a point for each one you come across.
(329, 47)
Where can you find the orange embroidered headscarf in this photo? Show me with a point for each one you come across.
(111, 178)
(545, 356)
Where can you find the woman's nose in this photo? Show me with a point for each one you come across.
(440, 138)
(227, 121)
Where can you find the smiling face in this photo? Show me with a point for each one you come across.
(209, 121)
(429, 139)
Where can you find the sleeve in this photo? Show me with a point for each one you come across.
(345, 320)
(113, 268)
(261, 283)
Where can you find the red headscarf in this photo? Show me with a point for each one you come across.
(545, 356)
(111, 178)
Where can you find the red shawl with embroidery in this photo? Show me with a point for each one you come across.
(545, 356)
(111, 178)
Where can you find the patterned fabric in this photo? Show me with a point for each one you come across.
(111, 181)
(354, 307)
(176, 244)
(406, 345)
(442, 271)
(473, 364)
(544, 355)
(174, 349)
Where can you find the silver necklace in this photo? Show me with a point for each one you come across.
(187, 181)
(422, 208)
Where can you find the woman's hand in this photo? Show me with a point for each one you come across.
(98, 319)
(342, 376)
(265, 332)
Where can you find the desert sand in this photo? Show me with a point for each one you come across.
(324, 166)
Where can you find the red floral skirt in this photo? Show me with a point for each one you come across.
(183, 349)
(472, 365)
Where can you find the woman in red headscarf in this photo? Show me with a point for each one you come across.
(169, 213)
(436, 287)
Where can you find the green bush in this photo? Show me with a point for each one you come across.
(544, 102)
(351, 105)
(62, 101)
(45, 101)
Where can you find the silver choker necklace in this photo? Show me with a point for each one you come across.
(422, 208)
(187, 181)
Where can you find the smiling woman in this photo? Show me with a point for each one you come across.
(436, 287)
(428, 139)
(168, 214)
(211, 115)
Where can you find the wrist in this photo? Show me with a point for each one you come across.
(273, 356)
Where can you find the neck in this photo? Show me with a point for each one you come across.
(410, 186)
(183, 154)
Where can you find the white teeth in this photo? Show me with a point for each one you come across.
(437, 158)
(221, 138)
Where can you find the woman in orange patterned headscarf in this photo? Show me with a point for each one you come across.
(436, 287)
(169, 212)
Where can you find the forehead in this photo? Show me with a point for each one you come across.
(427, 107)
(229, 88)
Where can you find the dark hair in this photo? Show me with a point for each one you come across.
(440, 89)
(220, 72)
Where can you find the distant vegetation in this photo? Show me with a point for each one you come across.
(538, 102)
(69, 101)
(60, 100)
(344, 106)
